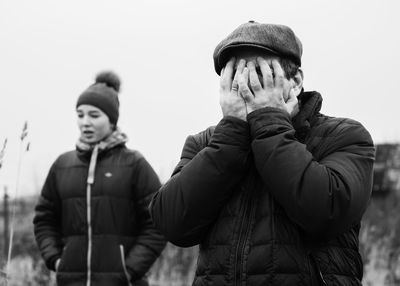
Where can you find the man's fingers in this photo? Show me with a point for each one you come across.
(242, 78)
(239, 70)
(226, 75)
(235, 85)
(228, 70)
(244, 90)
(292, 103)
(279, 74)
(292, 98)
(240, 66)
(268, 79)
(246, 75)
(254, 81)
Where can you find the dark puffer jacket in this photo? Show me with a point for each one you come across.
(123, 238)
(272, 201)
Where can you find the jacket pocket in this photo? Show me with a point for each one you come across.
(73, 257)
(122, 252)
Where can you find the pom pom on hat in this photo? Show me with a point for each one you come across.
(103, 94)
(109, 78)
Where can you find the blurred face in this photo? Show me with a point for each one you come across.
(93, 123)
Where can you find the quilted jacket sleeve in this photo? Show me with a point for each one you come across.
(191, 200)
(47, 221)
(324, 197)
(149, 242)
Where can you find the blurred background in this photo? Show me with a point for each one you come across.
(51, 50)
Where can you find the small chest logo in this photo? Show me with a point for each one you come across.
(108, 175)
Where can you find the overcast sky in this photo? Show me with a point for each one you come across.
(51, 50)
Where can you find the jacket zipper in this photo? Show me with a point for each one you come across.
(90, 181)
(89, 251)
(246, 234)
(243, 234)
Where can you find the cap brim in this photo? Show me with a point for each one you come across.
(225, 53)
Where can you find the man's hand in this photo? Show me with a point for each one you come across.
(232, 104)
(271, 92)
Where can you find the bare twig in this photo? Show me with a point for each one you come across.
(23, 149)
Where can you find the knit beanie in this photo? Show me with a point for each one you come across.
(103, 94)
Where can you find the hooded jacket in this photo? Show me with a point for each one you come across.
(271, 201)
(94, 217)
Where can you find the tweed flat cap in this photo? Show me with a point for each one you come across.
(276, 39)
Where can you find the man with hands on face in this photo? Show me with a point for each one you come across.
(274, 194)
(257, 89)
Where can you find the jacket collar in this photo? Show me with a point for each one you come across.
(310, 105)
(116, 138)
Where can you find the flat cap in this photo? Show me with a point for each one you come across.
(276, 39)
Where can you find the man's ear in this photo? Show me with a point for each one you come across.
(298, 82)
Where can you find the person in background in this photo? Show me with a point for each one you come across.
(91, 222)
(275, 192)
